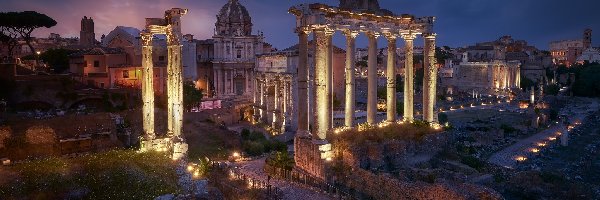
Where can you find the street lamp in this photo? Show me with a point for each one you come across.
(37, 59)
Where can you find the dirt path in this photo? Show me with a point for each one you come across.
(291, 191)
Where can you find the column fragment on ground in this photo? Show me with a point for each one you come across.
(391, 78)
(321, 81)
(408, 77)
(372, 79)
(148, 87)
(430, 78)
(303, 83)
(350, 82)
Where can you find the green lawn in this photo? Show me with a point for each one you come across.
(119, 174)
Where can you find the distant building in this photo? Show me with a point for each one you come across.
(484, 77)
(235, 49)
(566, 52)
(87, 37)
(590, 55)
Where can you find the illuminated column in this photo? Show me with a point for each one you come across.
(215, 81)
(329, 36)
(276, 100)
(321, 81)
(175, 85)
(391, 78)
(147, 86)
(372, 78)
(303, 82)
(430, 78)
(263, 114)
(408, 77)
(350, 83)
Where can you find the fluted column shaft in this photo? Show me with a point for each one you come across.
(330, 76)
(175, 86)
(350, 82)
(372, 79)
(430, 78)
(391, 79)
(322, 106)
(409, 77)
(303, 83)
(148, 86)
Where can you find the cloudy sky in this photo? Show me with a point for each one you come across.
(459, 22)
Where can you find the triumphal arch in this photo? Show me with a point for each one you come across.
(172, 141)
(354, 17)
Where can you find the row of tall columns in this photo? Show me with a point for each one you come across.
(409, 77)
(372, 78)
(430, 79)
(148, 87)
(323, 80)
(174, 86)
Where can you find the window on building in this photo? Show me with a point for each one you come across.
(125, 73)
(161, 58)
(96, 63)
(239, 53)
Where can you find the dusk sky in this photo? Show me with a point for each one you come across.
(459, 22)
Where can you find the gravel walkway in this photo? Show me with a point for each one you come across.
(291, 191)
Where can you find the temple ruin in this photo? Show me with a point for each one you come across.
(172, 141)
(352, 18)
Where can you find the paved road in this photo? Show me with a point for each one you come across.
(508, 156)
(291, 191)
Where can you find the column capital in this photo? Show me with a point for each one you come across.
(303, 30)
(146, 38)
(390, 36)
(373, 34)
(408, 36)
(429, 36)
(350, 33)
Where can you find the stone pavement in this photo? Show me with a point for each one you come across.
(508, 156)
(291, 191)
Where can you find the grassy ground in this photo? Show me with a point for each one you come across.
(111, 175)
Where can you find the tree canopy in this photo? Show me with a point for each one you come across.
(22, 24)
(191, 95)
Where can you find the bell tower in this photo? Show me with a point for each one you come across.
(587, 38)
(87, 37)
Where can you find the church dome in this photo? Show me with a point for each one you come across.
(233, 20)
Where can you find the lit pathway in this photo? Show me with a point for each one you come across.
(291, 191)
(508, 157)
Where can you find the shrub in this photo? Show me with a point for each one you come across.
(472, 162)
(253, 148)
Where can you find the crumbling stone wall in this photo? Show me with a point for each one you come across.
(383, 186)
(40, 135)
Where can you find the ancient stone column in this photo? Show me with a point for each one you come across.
(329, 35)
(322, 107)
(430, 78)
(372, 78)
(391, 78)
(350, 83)
(408, 77)
(147, 86)
(303, 82)
(276, 101)
(263, 105)
(175, 84)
